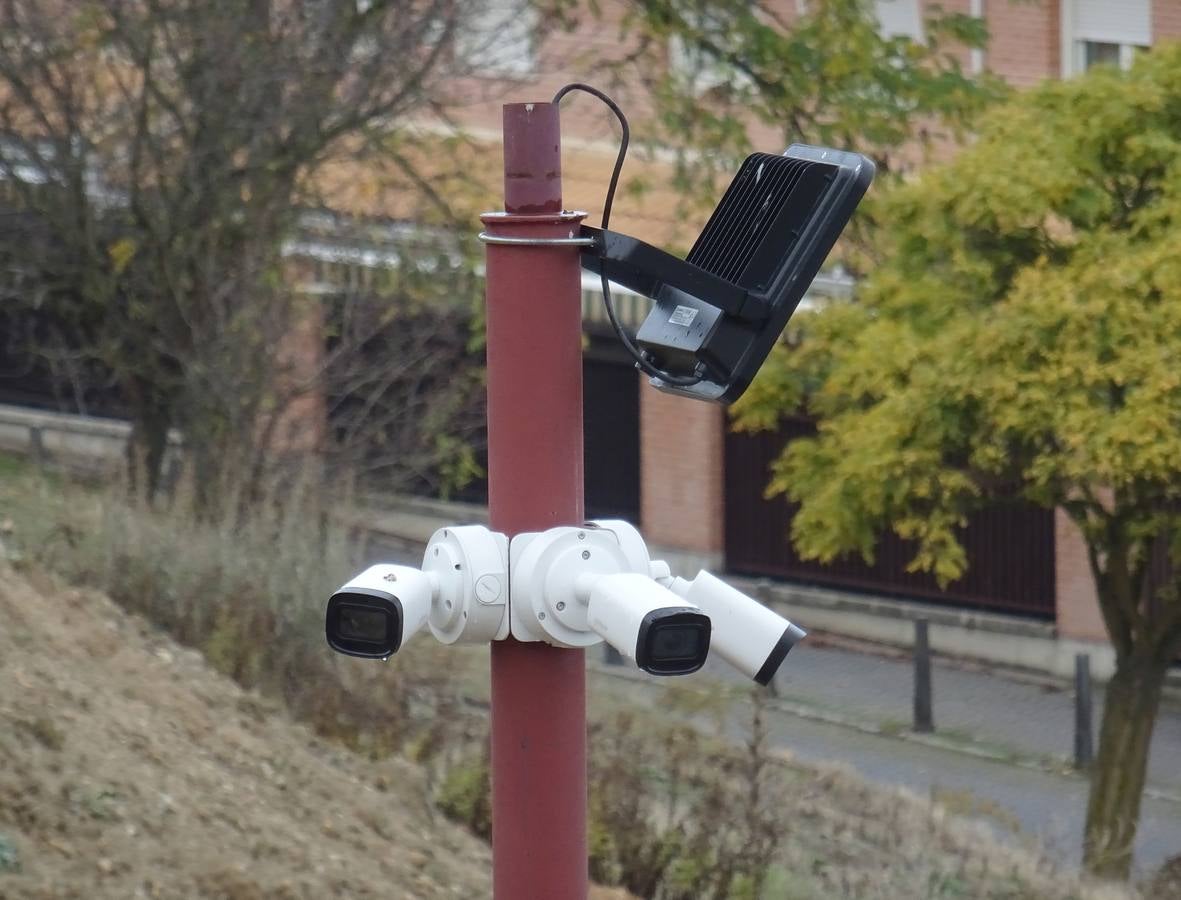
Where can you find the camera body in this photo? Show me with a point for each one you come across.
(461, 592)
(745, 633)
(633, 614)
(749, 636)
(374, 614)
(568, 587)
(470, 565)
(576, 587)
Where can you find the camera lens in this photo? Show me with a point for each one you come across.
(363, 623)
(359, 623)
(673, 641)
(676, 642)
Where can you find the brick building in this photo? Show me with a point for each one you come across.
(697, 486)
(672, 464)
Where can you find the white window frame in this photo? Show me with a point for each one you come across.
(1127, 53)
(476, 45)
(976, 54)
(915, 32)
(1073, 45)
(699, 71)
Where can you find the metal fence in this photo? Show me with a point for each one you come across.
(1010, 548)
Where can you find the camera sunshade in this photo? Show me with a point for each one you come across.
(719, 311)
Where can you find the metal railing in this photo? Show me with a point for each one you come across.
(79, 440)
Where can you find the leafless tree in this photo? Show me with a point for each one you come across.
(404, 377)
(165, 149)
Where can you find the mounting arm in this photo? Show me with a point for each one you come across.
(643, 268)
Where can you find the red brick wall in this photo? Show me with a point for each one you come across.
(582, 54)
(681, 457)
(1024, 40)
(1077, 602)
(1166, 20)
(300, 426)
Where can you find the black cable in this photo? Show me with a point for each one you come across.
(638, 355)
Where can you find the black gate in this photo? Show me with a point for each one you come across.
(611, 434)
(1010, 548)
(611, 440)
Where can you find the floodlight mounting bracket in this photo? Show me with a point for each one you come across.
(717, 314)
(642, 268)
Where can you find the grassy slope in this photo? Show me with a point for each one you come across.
(845, 838)
(129, 768)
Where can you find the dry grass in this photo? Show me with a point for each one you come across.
(250, 598)
(249, 595)
(841, 836)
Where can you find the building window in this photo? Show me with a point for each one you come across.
(1102, 33)
(696, 68)
(899, 18)
(499, 38)
(1104, 53)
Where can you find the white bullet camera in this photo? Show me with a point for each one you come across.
(573, 587)
(634, 615)
(461, 592)
(746, 634)
(378, 611)
(749, 636)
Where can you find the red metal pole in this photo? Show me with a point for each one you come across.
(534, 483)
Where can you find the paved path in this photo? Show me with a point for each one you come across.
(1050, 809)
(1024, 806)
(1034, 719)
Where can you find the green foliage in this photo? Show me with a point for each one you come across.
(1013, 337)
(465, 796)
(1016, 337)
(826, 75)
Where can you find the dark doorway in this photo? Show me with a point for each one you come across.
(611, 435)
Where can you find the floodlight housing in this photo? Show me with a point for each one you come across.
(719, 311)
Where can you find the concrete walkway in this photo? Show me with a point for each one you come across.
(1025, 800)
(1032, 721)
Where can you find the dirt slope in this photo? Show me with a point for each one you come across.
(129, 769)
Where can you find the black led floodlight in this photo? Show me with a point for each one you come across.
(719, 311)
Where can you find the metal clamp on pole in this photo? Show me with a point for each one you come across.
(535, 242)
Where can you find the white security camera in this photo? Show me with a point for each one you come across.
(647, 623)
(461, 591)
(573, 587)
(377, 612)
(746, 634)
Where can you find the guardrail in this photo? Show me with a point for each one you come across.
(88, 441)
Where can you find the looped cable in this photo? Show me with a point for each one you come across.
(641, 358)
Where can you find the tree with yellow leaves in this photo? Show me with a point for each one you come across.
(1017, 335)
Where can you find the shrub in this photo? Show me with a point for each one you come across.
(465, 796)
(248, 593)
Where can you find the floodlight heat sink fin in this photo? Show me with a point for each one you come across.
(718, 313)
